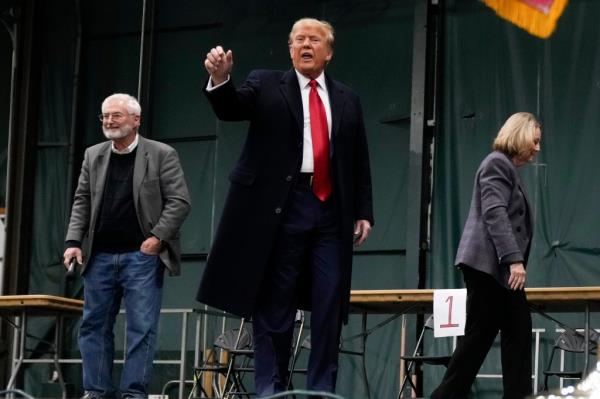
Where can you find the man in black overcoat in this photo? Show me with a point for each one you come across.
(300, 198)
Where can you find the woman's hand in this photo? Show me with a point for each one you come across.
(516, 281)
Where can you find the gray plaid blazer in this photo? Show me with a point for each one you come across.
(499, 227)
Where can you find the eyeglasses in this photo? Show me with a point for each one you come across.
(116, 116)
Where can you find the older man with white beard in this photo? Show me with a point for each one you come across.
(129, 205)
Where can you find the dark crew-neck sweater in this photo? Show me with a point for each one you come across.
(117, 226)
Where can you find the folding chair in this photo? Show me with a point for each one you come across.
(418, 359)
(296, 346)
(570, 341)
(222, 373)
(300, 347)
(236, 371)
(235, 347)
(306, 345)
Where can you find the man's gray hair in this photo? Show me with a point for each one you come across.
(130, 102)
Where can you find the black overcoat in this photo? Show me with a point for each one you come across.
(266, 170)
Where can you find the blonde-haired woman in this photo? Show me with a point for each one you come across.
(492, 255)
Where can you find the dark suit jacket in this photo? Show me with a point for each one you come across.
(160, 196)
(266, 170)
(499, 227)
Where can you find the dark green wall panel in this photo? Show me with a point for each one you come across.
(179, 108)
(109, 18)
(198, 163)
(109, 65)
(379, 272)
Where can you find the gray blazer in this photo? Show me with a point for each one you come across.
(160, 196)
(499, 227)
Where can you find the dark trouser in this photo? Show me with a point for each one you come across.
(308, 243)
(491, 308)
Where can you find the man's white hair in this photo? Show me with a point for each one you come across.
(130, 102)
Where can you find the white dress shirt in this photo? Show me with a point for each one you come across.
(127, 149)
(307, 150)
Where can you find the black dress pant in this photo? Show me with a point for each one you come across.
(308, 243)
(491, 308)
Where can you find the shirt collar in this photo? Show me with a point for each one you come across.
(127, 150)
(303, 80)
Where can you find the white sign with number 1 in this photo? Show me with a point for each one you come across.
(449, 312)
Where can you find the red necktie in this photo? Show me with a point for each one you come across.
(320, 143)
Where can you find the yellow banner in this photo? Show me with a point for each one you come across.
(537, 17)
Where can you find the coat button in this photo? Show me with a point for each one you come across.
(288, 178)
(278, 210)
(521, 211)
(300, 144)
(519, 228)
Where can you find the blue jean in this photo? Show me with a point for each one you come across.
(138, 279)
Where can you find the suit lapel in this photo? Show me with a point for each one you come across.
(527, 203)
(139, 170)
(337, 99)
(98, 169)
(522, 189)
(290, 88)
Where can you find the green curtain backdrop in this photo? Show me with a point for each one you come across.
(493, 69)
(490, 70)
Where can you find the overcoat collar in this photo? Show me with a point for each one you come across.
(290, 88)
